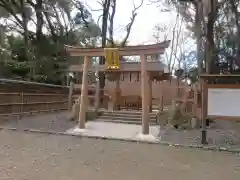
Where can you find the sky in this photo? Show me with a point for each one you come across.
(142, 31)
(148, 16)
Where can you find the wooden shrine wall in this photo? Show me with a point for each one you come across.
(167, 89)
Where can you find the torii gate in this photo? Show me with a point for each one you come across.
(141, 50)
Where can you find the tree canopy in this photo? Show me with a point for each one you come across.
(217, 31)
(33, 34)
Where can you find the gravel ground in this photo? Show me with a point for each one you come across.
(57, 122)
(225, 134)
(28, 156)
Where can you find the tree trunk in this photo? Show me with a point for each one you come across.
(25, 36)
(210, 45)
(198, 20)
(101, 75)
(39, 15)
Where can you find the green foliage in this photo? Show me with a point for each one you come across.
(18, 68)
(40, 55)
(225, 33)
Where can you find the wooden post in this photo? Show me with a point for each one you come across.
(150, 92)
(194, 106)
(144, 92)
(117, 92)
(97, 92)
(77, 78)
(204, 111)
(68, 80)
(71, 86)
(22, 104)
(84, 93)
(22, 101)
(160, 107)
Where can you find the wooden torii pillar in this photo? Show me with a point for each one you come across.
(150, 108)
(84, 93)
(145, 95)
(97, 92)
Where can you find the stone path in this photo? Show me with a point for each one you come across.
(116, 131)
(28, 156)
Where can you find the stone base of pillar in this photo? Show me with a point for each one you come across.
(78, 130)
(146, 137)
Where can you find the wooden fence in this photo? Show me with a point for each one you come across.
(21, 97)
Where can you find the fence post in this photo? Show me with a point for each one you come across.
(71, 86)
(21, 105)
(160, 103)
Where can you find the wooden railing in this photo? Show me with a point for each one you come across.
(23, 97)
(21, 103)
(129, 102)
(8, 85)
(27, 103)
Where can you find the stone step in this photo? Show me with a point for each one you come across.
(125, 117)
(124, 121)
(128, 115)
(127, 112)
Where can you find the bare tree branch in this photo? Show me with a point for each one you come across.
(130, 24)
(106, 7)
(99, 18)
(81, 8)
(101, 2)
(111, 23)
(95, 10)
(7, 7)
(170, 64)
